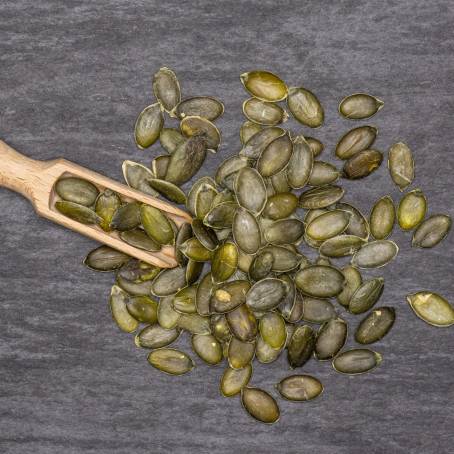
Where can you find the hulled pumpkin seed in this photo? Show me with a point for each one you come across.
(154, 336)
(264, 353)
(183, 234)
(305, 107)
(200, 106)
(323, 173)
(264, 85)
(264, 113)
(184, 300)
(169, 281)
(376, 325)
(321, 197)
(261, 266)
(287, 304)
(205, 184)
(148, 126)
(157, 225)
(353, 280)
(412, 209)
(266, 294)
(362, 164)
(198, 126)
(79, 213)
(203, 295)
(356, 361)
(260, 405)
(244, 261)
(248, 129)
(315, 145)
(167, 315)
(358, 224)
(137, 176)
(246, 231)
(139, 239)
(159, 166)
(229, 296)
(104, 258)
(328, 225)
(431, 231)
(171, 361)
(168, 190)
(382, 218)
(320, 281)
(106, 205)
(401, 165)
(193, 271)
(284, 231)
(275, 156)
(221, 216)
(331, 338)
(299, 388)
(366, 295)
(356, 140)
(255, 146)
(341, 246)
(195, 250)
(207, 348)
(301, 163)
(242, 323)
(143, 309)
(170, 139)
(227, 171)
(280, 206)
(77, 190)
(301, 346)
(317, 310)
(205, 235)
(284, 259)
(250, 190)
(272, 329)
(204, 200)
(240, 353)
(224, 262)
(359, 106)
(234, 380)
(375, 254)
(166, 88)
(432, 308)
(194, 323)
(127, 217)
(124, 320)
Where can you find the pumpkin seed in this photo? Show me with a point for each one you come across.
(184, 300)
(234, 380)
(305, 107)
(229, 296)
(205, 235)
(376, 325)
(260, 405)
(248, 129)
(358, 224)
(264, 85)
(242, 323)
(296, 312)
(221, 216)
(124, 320)
(382, 218)
(240, 353)
(359, 106)
(159, 166)
(323, 173)
(166, 88)
(136, 278)
(205, 184)
(301, 346)
(137, 176)
(143, 309)
(264, 353)
(284, 231)
(328, 225)
(299, 388)
(375, 254)
(171, 361)
(104, 258)
(261, 266)
(194, 323)
(170, 139)
(275, 156)
(220, 328)
(353, 280)
(203, 295)
(183, 234)
(356, 361)
(256, 145)
(280, 206)
(366, 295)
(401, 165)
(193, 271)
(331, 338)
(315, 145)
(127, 217)
(320, 197)
(204, 200)
(412, 209)
(266, 294)
(207, 348)
(264, 113)
(195, 250)
(148, 126)
(77, 190)
(139, 239)
(341, 246)
(287, 304)
(317, 310)
(431, 231)
(320, 281)
(200, 106)
(272, 330)
(356, 140)
(167, 315)
(250, 190)
(283, 259)
(169, 282)
(106, 204)
(432, 308)
(224, 262)
(168, 190)
(246, 231)
(154, 336)
(198, 126)
(301, 163)
(79, 213)
(362, 164)
(157, 225)
(244, 261)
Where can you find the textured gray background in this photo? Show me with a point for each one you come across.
(73, 77)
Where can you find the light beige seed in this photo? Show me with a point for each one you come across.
(167, 315)
(148, 126)
(240, 354)
(323, 173)
(157, 225)
(104, 258)
(401, 165)
(321, 197)
(305, 107)
(275, 156)
(375, 325)
(171, 361)
(264, 85)
(154, 336)
(341, 246)
(248, 129)
(317, 310)
(331, 338)
(301, 162)
(431, 231)
(328, 225)
(272, 330)
(79, 213)
(359, 106)
(320, 281)
(207, 348)
(366, 295)
(356, 361)
(124, 320)
(200, 106)
(299, 388)
(242, 323)
(170, 139)
(375, 254)
(264, 113)
(250, 190)
(412, 209)
(315, 145)
(234, 380)
(280, 206)
(169, 281)
(353, 280)
(358, 223)
(356, 140)
(382, 218)
(166, 88)
(260, 405)
(432, 308)
(77, 190)
(224, 262)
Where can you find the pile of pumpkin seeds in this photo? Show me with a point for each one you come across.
(261, 296)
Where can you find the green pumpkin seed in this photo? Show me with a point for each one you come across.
(234, 380)
(272, 329)
(260, 405)
(317, 310)
(323, 173)
(242, 323)
(183, 234)
(200, 106)
(170, 139)
(124, 320)
(299, 388)
(194, 323)
(205, 235)
(257, 144)
(171, 361)
(206, 185)
(401, 165)
(166, 88)
(77, 190)
(203, 295)
(159, 166)
(198, 126)
(264, 113)
(167, 315)
(139, 239)
(320, 281)
(137, 176)
(127, 217)
(358, 224)
(246, 231)
(184, 300)
(296, 312)
(244, 261)
(279, 183)
(362, 164)
(280, 206)
(193, 271)
(283, 259)
(412, 209)
(305, 107)
(366, 295)
(341, 246)
(207, 348)
(106, 205)
(248, 129)
(353, 280)
(284, 231)
(375, 254)
(224, 262)
(104, 258)
(195, 250)
(432, 308)
(264, 85)
(266, 294)
(154, 336)
(275, 156)
(356, 140)
(314, 214)
(261, 266)
(301, 346)
(169, 281)
(204, 199)
(250, 190)
(356, 361)
(264, 353)
(79, 213)
(328, 225)
(221, 216)
(148, 126)
(168, 190)
(331, 338)
(359, 106)
(220, 328)
(287, 304)
(157, 225)
(320, 197)
(143, 309)
(240, 353)
(227, 172)
(229, 296)
(431, 231)
(375, 325)
(136, 278)
(382, 218)
(315, 145)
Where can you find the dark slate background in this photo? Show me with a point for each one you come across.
(73, 77)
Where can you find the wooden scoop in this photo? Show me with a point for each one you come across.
(35, 180)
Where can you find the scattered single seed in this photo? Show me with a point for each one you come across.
(376, 325)
(375, 254)
(412, 209)
(260, 405)
(359, 106)
(148, 126)
(431, 231)
(356, 361)
(356, 140)
(432, 308)
(305, 107)
(401, 165)
(171, 361)
(264, 85)
(299, 388)
(382, 218)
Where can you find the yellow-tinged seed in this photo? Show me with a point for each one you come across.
(412, 210)
(432, 308)
(264, 85)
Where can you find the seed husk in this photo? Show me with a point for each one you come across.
(221, 216)
(234, 380)
(317, 310)
(272, 329)
(264, 85)
(106, 204)
(157, 225)
(331, 338)
(356, 361)
(77, 190)
(323, 173)
(200, 106)
(284, 231)
(280, 206)
(382, 218)
(143, 308)
(148, 126)
(250, 190)
(240, 353)
(305, 107)
(242, 323)
(358, 224)
(431, 231)
(127, 217)
(328, 225)
(124, 320)
(256, 145)
(167, 315)
(284, 259)
(168, 190)
(248, 129)
(375, 254)
(412, 209)
(224, 262)
(79, 213)
(356, 140)
(260, 405)
(104, 258)
(321, 197)
(194, 323)
(137, 176)
(366, 295)
(154, 336)
(166, 88)
(229, 296)
(171, 361)
(320, 281)
(341, 246)
(301, 346)
(315, 145)
(359, 106)
(275, 156)
(136, 278)
(362, 164)
(184, 300)
(432, 308)
(264, 113)
(401, 165)
(375, 325)
(170, 139)
(169, 282)
(353, 280)
(198, 126)
(299, 388)
(266, 294)
(207, 348)
(139, 239)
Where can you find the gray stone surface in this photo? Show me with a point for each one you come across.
(73, 77)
